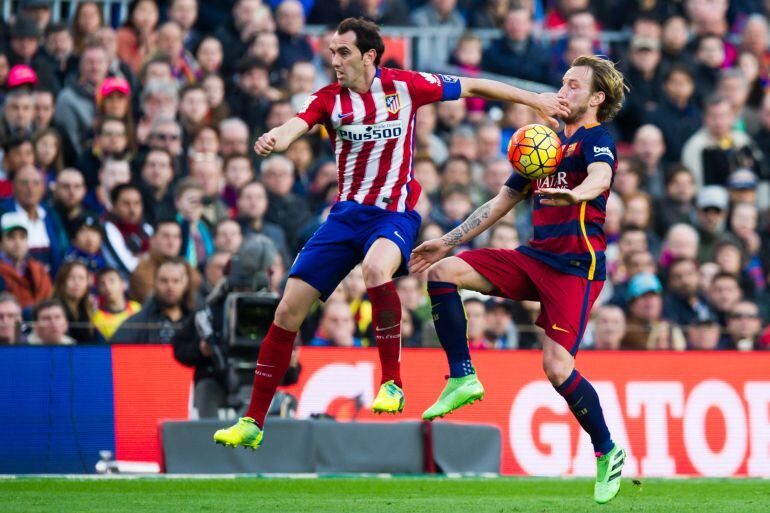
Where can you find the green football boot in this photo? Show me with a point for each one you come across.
(608, 468)
(457, 392)
(245, 433)
(390, 399)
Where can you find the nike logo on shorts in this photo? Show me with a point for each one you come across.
(555, 327)
(399, 236)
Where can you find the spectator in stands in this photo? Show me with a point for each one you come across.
(644, 76)
(10, 319)
(48, 153)
(234, 137)
(137, 38)
(712, 204)
(113, 172)
(706, 152)
(69, 190)
(285, 208)
(290, 25)
(193, 110)
(682, 240)
(475, 311)
(744, 224)
(18, 115)
(117, 68)
(682, 303)
(245, 13)
(87, 243)
(704, 334)
(227, 236)
(674, 38)
(731, 258)
(159, 104)
(71, 287)
(111, 142)
(45, 105)
(206, 171)
(709, 58)
(76, 105)
(646, 327)
(114, 100)
(166, 134)
(501, 332)
(649, 148)
(165, 244)
(251, 98)
(214, 87)
(517, 53)
(50, 324)
(209, 55)
(638, 213)
(337, 327)
(734, 86)
(427, 142)
(213, 271)
(47, 239)
(127, 235)
(155, 182)
(18, 152)
(755, 39)
(743, 327)
(723, 294)
(24, 48)
(88, 18)
(185, 13)
(22, 276)
(238, 173)
(197, 239)
(385, 12)
(609, 328)
(252, 207)
(113, 307)
(170, 42)
(676, 115)
(58, 48)
(165, 311)
(503, 235)
(742, 186)
(38, 11)
(677, 205)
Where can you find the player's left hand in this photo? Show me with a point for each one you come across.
(549, 106)
(557, 197)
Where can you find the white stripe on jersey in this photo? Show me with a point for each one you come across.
(397, 159)
(359, 113)
(378, 98)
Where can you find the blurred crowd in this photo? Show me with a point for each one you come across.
(127, 178)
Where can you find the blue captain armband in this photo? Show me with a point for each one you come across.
(451, 88)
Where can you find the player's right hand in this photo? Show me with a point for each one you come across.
(265, 144)
(427, 254)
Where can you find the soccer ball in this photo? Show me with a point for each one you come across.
(534, 151)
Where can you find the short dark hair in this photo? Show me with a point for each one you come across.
(367, 36)
(722, 275)
(55, 28)
(165, 220)
(103, 272)
(120, 189)
(45, 305)
(15, 141)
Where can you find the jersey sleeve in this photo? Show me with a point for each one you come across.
(519, 184)
(430, 87)
(600, 148)
(314, 110)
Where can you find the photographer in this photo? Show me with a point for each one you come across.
(200, 343)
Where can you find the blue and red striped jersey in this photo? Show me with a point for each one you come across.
(571, 238)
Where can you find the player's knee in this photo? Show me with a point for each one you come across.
(442, 271)
(374, 273)
(288, 316)
(557, 370)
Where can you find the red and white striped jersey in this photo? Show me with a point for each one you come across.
(373, 133)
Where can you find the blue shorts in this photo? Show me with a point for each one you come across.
(343, 240)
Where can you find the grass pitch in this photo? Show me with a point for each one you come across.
(368, 494)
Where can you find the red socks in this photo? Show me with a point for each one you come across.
(386, 306)
(274, 358)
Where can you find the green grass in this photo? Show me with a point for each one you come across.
(341, 495)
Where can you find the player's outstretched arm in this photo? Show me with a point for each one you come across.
(547, 105)
(431, 251)
(279, 138)
(599, 179)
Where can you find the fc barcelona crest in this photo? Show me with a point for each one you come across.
(569, 150)
(392, 103)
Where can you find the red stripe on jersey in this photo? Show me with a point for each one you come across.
(359, 170)
(345, 106)
(405, 173)
(595, 215)
(569, 244)
(555, 215)
(386, 158)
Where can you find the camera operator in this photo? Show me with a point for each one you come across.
(200, 342)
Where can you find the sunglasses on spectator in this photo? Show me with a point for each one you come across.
(166, 137)
(744, 315)
(112, 133)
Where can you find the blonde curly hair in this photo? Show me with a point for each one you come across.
(607, 79)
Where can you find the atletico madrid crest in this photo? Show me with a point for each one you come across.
(392, 103)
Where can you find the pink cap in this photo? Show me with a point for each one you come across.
(21, 74)
(114, 84)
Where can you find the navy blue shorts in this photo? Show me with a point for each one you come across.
(343, 240)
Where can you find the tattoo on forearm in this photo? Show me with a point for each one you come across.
(455, 237)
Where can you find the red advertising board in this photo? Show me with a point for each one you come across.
(677, 413)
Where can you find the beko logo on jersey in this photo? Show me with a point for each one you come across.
(376, 132)
(603, 150)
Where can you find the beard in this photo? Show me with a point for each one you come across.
(576, 113)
